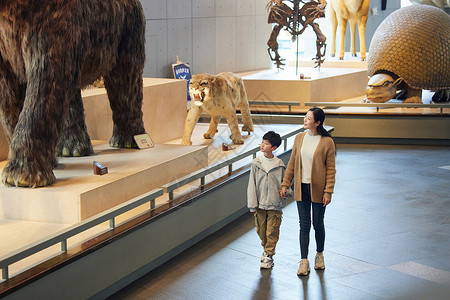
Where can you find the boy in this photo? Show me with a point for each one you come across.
(263, 196)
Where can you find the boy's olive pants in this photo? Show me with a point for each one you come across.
(268, 228)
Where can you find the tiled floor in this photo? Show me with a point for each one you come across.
(388, 237)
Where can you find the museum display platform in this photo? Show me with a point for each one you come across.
(79, 194)
(349, 61)
(324, 85)
(160, 96)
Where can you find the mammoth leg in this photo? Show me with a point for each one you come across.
(32, 150)
(212, 127)
(124, 84)
(191, 120)
(74, 139)
(12, 96)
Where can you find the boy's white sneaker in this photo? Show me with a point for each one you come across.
(303, 270)
(264, 255)
(267, 262)
(319, 263)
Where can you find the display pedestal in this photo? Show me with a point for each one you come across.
(164, 102)
(332, 62)
(79, 194)
(163, 109)
(326, 85)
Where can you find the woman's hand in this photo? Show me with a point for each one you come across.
(283, 192)
(326, 201)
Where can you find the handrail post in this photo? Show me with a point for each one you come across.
(5, 273)
(254, 155)
(230, 169)
(285, 144)
(64, 245)
(170, 195)
(152, 204)
(112, 223)
(202, 183)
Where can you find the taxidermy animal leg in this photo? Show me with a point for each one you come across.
(355, 11)
(334, 24)
(212, 127)
(75, 140)
(413, 95)
(32, 150)
(245, 111)
(353, 37)
(12, 96)
(232, 121)
(343, 28)
(441, 96)
(191, 120)
(362, 35)
(124, 86)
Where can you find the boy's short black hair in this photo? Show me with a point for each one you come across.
(273, 137)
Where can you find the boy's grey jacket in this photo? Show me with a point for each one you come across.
(263, 190)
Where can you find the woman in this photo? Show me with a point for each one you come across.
(312, 166)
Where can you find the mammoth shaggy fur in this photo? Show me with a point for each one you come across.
(49, 51)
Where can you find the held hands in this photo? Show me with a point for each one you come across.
(283, 192)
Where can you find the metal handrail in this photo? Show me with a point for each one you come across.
(63, 235)
(202, 173)
(378, 105)
(272, 102)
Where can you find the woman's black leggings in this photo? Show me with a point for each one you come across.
(304, 214)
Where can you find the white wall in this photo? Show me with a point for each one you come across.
(211, 35)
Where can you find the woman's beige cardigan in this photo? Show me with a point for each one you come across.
(322, 170)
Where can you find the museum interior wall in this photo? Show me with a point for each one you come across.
(224, 35)
(211, 35)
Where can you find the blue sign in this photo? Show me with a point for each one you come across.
(183, 71)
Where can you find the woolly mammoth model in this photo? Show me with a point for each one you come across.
(356, 12)
(49, 50)
(218, 95)
(410, 51)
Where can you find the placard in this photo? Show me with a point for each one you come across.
(144, 141)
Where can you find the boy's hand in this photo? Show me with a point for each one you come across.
(283, 192)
